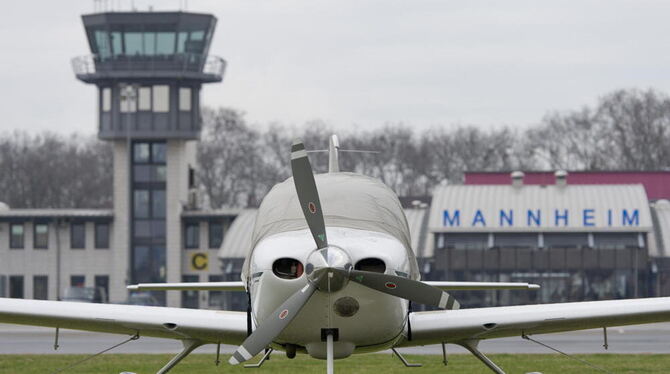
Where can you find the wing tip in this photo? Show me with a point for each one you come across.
(533, 286)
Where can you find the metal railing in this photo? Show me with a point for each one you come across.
(179, 62)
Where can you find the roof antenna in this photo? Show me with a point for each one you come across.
(333, 156)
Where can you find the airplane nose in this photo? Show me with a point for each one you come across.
(321, 261)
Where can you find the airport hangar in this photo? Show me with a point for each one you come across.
(587, 239)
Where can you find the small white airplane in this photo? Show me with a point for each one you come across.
(331, 283)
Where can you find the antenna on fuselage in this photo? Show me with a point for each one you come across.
(333, 155)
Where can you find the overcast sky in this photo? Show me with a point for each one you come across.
(362, 63)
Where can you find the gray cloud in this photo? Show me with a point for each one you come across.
(365, 62)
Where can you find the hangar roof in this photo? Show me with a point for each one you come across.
(237, 240)
(534, 208)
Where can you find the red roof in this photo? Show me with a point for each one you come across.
(656, 183)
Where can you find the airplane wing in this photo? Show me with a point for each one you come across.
(458, 326)
(206, 326)
(474, 286)
(190, 286)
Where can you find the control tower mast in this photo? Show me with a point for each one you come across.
(149, 68)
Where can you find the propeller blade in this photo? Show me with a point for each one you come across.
(272, 326)
(414, 291)
(308, 194)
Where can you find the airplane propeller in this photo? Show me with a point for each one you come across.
(272, 326)
(408, 289)
(308, 195)
(329, 271)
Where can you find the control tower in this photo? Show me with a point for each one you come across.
(149, 68)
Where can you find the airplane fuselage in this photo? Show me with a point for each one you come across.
(367, 320)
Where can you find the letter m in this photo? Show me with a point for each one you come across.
(454, 220)
(631, 220)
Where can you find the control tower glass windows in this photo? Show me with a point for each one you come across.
(185, 98)
(161, 98)
(165, 43)
(196, 43)
(117, 43)
(181, 41)
(149, 43)
(133, 42)
(102, 43)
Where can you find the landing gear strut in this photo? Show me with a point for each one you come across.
(471, 345)
(189, 346)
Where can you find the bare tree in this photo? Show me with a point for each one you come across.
(52, 171)
(636, 125)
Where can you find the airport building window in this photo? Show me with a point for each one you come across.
(102, 236)
(181, 41)
(77, 280)
(133, 43)
(158, 153)
(189, 299)
(141, 152)
(165, 43)
(41, 235)
(144, 98)
(616, 240)
(161, 98)
(158, 203)
(185, 98)
(516, 240)
(102, 44)
(128, 102)
(117, 43)
(141, 204)
(149, 173)
(106, 99)
(40, 287)
(566, 240)
(149, 43)
(215, 234)
(192, 236)
(78, 235)
(216, 298)
(462, 241)
(102, 287)
(16, 286)
(16, 236)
